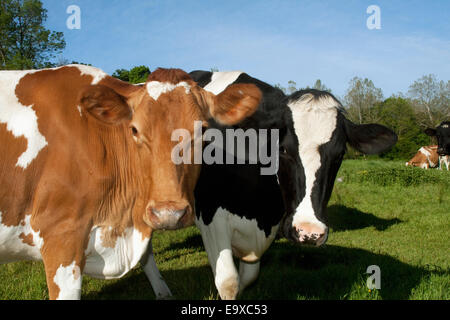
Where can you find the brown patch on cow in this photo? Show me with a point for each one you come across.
(109, 236)
(27, 239)
(15, 185)
(76, 273)
(173, 76)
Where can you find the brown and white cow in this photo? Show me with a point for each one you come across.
(426, 157)
(86, 172)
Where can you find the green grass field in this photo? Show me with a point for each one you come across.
(381, 213)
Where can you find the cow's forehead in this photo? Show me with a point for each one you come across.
(156, 88)
(166, 107)
(315, 119)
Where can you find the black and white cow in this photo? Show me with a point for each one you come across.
(239, 211)
(442, 134)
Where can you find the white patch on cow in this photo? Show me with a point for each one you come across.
(109, 263)
(96, 74)
(425, 152)
(314, 123)
(69, 280)
(221, 80)
(20, 120)
(12, 247)
(228, 233)
(80, 111)
(156, 88)
(428, 153)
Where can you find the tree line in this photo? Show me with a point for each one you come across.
(425, 104)
(26, 44)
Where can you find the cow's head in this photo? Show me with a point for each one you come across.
(150, 113)
(310, 157)
(442, 134)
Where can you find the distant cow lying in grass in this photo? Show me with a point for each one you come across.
(426, 157)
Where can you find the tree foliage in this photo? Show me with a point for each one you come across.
(431, 100)
(25, 42)
(360, 98)
(398, 114)
(292, 87)
(137, 74)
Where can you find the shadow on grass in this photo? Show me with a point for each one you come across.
(193, 242)
(343, 218)
(287, 272)
(331, 272)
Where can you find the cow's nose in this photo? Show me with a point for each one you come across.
(166, 216)
(312, 234)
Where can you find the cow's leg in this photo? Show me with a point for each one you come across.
(63, 262)
(446, 162)
(226, 276)
(248, 272)
(157, 282)
(217, 242)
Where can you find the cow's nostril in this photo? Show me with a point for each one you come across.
(155, 211)
(180, 213)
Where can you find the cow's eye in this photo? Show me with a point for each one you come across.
(134, 130)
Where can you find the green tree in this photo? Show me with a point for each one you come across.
(292, 86)
(431, 100)
(360, 99)
(279, 86)
(398, 114)
(137, 74)
(25, 42)
(318, 85)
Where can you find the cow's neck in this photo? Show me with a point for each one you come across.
(120, 177)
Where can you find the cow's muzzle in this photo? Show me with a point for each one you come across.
(310, 234)
(167, 216)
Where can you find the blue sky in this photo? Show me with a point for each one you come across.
(274, 40)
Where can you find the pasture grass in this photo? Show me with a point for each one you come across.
(380, 213)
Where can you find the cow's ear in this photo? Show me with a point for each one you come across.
(105, 104)
(231, 106)
(431, 132)
(369, 138)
